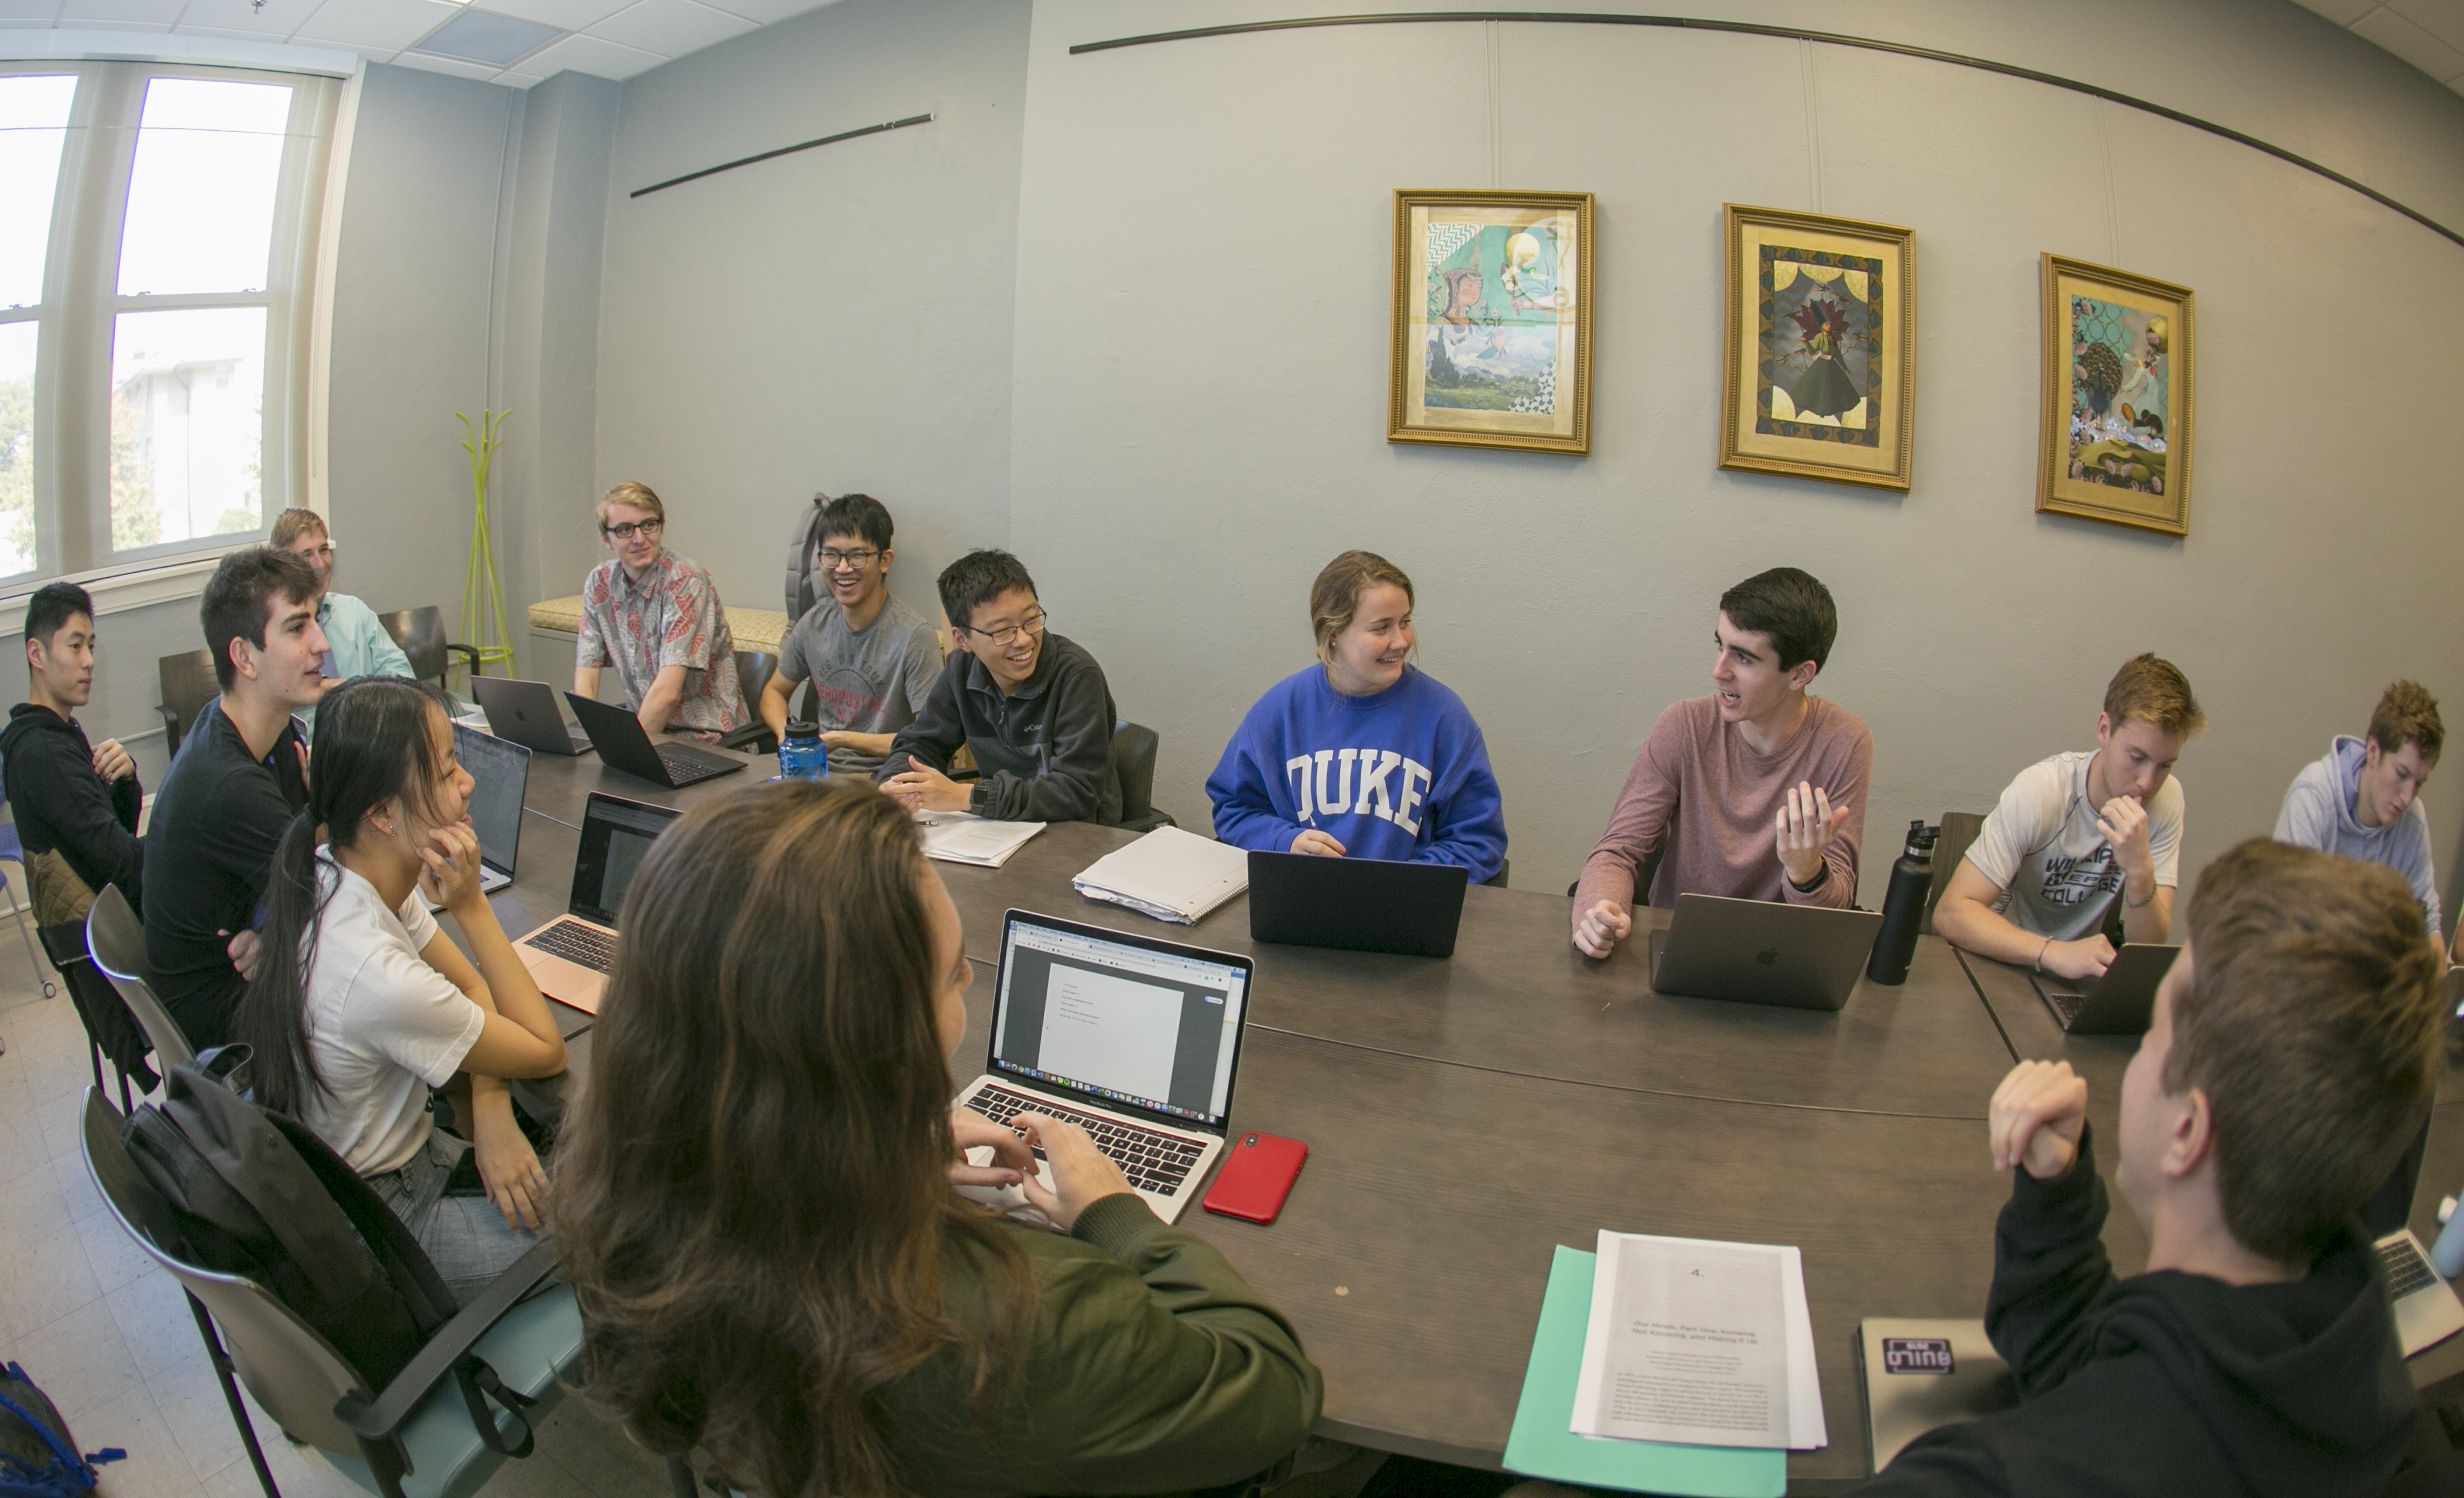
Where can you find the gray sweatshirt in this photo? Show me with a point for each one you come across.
(2318, 813)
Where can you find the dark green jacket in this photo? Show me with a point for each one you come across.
(1154, 1370)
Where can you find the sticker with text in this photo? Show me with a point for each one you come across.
(1916, 1354)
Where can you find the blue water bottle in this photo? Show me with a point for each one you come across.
(800, 755)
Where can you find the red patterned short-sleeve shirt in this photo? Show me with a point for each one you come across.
(672, 617)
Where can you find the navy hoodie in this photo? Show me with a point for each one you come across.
(2170, 1384)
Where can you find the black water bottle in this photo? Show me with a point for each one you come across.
(1904, 907)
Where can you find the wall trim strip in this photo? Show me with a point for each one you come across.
(801, 146)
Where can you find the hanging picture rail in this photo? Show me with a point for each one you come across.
(784, 150)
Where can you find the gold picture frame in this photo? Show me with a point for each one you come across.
(1492, 320)
(1818, 368)
(2120, 386)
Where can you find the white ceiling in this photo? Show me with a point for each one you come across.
(612, 38)
(2427, 33)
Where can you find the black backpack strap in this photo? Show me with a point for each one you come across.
(397, 1252)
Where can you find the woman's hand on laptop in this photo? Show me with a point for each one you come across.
(1602, 927)
(1320, 844)
(2036, 1116)
(1081, 1174)
(1012, 1162)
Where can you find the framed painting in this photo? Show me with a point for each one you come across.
(2116, 443)
(1492, 320)
(1819, 376)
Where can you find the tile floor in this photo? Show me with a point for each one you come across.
(110, 1339)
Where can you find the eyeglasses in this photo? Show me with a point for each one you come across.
(625, 532)
(858, 559)
(1032, 623)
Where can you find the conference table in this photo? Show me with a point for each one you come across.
(1467, 1115)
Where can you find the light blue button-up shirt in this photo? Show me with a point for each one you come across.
(356, 644)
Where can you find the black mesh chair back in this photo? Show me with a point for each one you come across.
(188, 684)
(117, 943)
(421, 634)
(754, 670)
(1135, 747)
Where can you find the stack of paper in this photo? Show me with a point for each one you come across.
(1169, 874)
(1699, 1343)
(959, 837)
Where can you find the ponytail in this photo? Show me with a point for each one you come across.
(273, 1015)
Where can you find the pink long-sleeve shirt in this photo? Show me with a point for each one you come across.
(1717, 802)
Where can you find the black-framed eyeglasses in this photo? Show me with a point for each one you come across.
(858, 559)
(1032, 623)
(625, 532)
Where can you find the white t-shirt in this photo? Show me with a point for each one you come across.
(382, 1024)
(2041, 847)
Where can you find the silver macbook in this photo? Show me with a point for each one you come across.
(1133, 1039)
(569, 956)
(526, 713)
(500, 773)
(2426, 1311)
(1798, 957)
(1921, 1373)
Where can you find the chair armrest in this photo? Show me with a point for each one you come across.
(452, 1343)
(754, 738)
(1148, 822)
(171, 721)
(469, 653)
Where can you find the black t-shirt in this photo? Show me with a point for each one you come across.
(217, 820)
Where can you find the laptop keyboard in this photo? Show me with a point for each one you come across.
(2065, 1004)
(585, 946)
(2407, 1270)
(1156, 1162)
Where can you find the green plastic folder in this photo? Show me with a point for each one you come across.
(1542, 1444)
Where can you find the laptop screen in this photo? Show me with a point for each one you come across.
(1145, 1023)
(499, 773)
(616, 834)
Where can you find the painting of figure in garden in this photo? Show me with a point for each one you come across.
(2119, 380)
(1819, 365)
(1500, 297)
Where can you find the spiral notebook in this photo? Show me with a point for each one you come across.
(1169, 874)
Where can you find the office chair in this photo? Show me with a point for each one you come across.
(118, 943)
(1959, 830)
(13, 850)
(188, 684)
(416, 1438)
(1134, 746)
(754, 670)
(421, 634)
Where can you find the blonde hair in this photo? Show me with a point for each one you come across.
(636, 493)
(2407, 714)
(2153, 688)
(1336, 596)
(292, 524)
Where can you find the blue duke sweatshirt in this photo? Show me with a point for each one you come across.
(1401, 776)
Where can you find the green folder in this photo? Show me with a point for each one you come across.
(1542, 1443)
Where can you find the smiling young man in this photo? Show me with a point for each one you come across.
(2074, 833)
(238, 780)
(1757, 791)
(356, 643)
(657, 619)
(872, 660)
(76, 802)
(1032, 706)
(2364, 800)
(2293, 1051)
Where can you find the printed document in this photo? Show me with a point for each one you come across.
(961, 837)
(1699, 1343)
(1169, 874)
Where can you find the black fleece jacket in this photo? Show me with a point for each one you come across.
(1045, 749)
(2170, 1383)
(61, 805)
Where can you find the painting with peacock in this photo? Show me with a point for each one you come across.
(2117, 397)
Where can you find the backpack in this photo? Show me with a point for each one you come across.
(800, 560)
(38, 1458)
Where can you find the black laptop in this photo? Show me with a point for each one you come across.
(525, 713)
(618, 736)
(500, 773)
(1357, 903)
(1797, 957)
(2121, 1002)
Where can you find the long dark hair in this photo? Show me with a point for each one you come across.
(373, 746)
(751, 1200)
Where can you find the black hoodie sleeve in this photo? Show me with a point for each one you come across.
(93, 825)
(2049, 1267)
(937, 733)
(1949, 1461)
(1078, 742)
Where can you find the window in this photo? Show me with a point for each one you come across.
(155, 252)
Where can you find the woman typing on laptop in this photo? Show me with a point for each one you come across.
(361, 1004)
(787, 1277)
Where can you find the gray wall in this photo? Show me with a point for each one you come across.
(1203, 274)
(837, 319)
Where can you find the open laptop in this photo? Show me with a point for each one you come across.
(618, 736)
(569, 956)
(1133, 1039)
(500, 772)
(1797, 957)
(2121, 1002)
(525, 712)
(2427, 1311)
(1357, 904)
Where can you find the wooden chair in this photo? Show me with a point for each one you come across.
(188, 684)
(1959, 829)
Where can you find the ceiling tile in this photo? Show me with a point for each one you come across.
(460, 70)
(484, 37)
(671, 28)
(151, 13)
(593, 55)
(375, 25)
(2344, 13)
(570, 15)
(37, 11)
(159, 28)
(279, 18)
(765, 12)
(2443, 20)
(2411, 43)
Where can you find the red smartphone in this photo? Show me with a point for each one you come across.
(1257, 1175)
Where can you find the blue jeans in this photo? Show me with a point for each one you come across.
(465, 1237)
